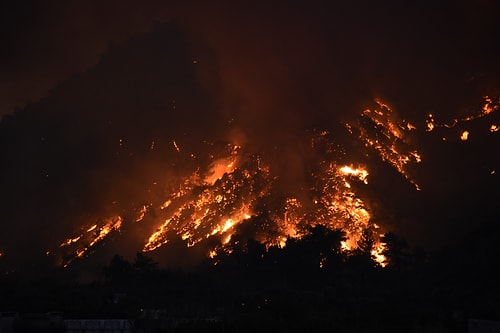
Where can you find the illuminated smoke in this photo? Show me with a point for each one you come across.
(233, 187)
(274, 81)
(236, 187)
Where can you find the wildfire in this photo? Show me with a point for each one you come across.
(233, 188)
(377, 254)
(142, 213)
(489, 106)
(381, 130)
(212, 204)
(83, 244)
(360, 173)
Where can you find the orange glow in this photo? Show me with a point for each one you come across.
(383, 131)
(430, 123)
(166, 204)
(82, 244)
(70, 241)
(208, 204)
(176, 146)
(156, 239)
(230, 191)
(210, 200)
(360, 173)
(488, 108)
(377, 254)
(218, 169)
(410, 127)
(142, 213)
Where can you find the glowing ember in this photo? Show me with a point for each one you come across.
(345, 246)
(488, 108)
(83, 244)
(464, 136)
(196, 212)
(142, 213)
(360, 173)
(212, 204)
(430, 122)
(378, 256)
(494, 128)
(166, 204)
(382, 131)
(176, 146)
(229, 189)
(71, 241)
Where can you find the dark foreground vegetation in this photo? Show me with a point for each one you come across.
(308, 286)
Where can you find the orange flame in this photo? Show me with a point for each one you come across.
(82, 244)
(381, 130)
(488, 108)
(213, 202)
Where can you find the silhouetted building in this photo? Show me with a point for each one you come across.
(98, 326)
(50, 322)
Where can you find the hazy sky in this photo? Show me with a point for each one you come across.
(43, 43)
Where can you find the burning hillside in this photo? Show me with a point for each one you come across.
(159, 151)
(209, 204)
(206, 208)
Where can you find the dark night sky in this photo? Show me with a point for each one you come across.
(44, 43)
(276, 69)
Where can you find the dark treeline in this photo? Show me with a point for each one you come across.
(309, 285)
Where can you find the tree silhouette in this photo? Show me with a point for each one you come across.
(326, 245)
(119, 269)
(366, 242)
(320, 249)
(396, 250)
(362, 255)
(144, 263)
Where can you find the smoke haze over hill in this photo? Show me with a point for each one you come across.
(120, 127)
